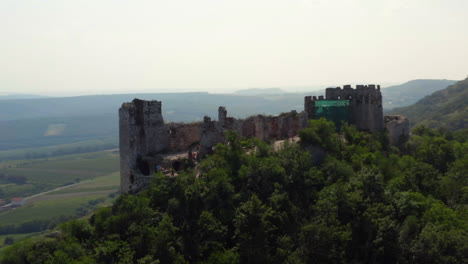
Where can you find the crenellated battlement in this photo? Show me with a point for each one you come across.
(360, 92)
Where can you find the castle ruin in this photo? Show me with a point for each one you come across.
(146, 141)
(361, 106)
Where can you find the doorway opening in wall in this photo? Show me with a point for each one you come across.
(176, 165)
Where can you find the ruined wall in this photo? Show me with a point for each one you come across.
(279, 127)
(398, 128)
(183, 136)
(211, 134)
(249, 127)
(266, 128)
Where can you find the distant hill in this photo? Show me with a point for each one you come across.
(444, 108)
(21, 96)
(410, 92)
(177, 107)
(41, 122)
(256, 91)
(28, 123)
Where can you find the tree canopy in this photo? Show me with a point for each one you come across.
(362, 201)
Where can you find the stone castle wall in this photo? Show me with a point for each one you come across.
(266, 128)
(183, 136)
(145, 138)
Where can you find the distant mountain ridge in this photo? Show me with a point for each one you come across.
(28, 123)
(445, 108)
(255, 91)
(21, 96)
(410, 92)
(187, 107)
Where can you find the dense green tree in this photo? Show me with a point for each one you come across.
(252, 223)
(321, 133)
(436, 151)
(453, 186)
(8, 240)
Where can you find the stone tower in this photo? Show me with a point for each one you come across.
(142, 136)
(366, 110)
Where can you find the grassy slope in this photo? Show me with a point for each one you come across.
(47, 174)
(445, 108)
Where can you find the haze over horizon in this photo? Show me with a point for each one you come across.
(54, 47)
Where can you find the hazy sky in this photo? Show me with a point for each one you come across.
(114, 46)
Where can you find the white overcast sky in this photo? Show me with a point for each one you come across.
(65, 47)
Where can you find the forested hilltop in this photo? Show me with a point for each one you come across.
(335, 197)
(445, 108)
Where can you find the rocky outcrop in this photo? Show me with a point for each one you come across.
(398, 128)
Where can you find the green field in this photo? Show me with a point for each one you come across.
(47, 174)
(60, 150)
(60, 206)
(96, 180)
(106, 182)
(48, 209)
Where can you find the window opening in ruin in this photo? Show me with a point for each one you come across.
(132, 179)
(143, 166)
(176, 165)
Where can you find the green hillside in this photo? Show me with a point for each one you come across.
(446, 108)
(410, 92)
